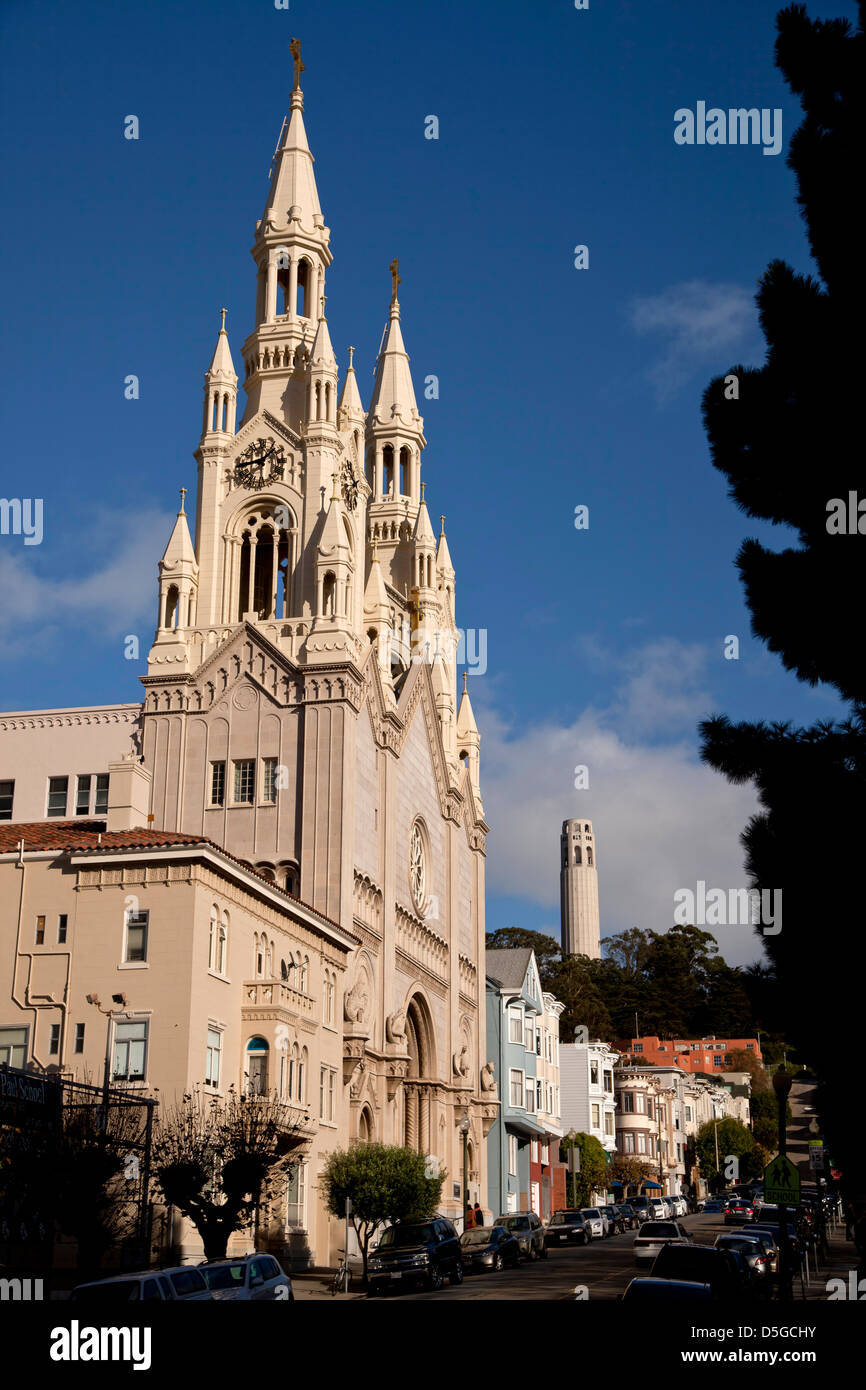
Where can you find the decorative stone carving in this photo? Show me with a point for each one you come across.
(460, 1062)
(354, 1050)
(488, 1077)
(395, 1027)
(356, 1002)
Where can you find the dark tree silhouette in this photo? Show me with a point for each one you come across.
(789, 445)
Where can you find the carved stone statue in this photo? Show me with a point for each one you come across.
(461, 1062)
(395, 1027)
(488, 1077)
(355, 1003)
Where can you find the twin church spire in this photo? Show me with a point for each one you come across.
(311, 520)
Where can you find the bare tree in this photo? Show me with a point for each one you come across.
(215, 1158)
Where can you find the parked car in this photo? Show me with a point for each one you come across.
(613, 1219)
(250, 1278)
(700, 1203)
(653, 1235)
(595, 1221)
(713, 1206)
(681, 1206)
(767, 1241)
(640, 1205)
(671, 1290)
(416, 1252)
(629, 1216)
(657, 1210)
(752, 1250)
(528, 1231)
(185, 1283)
(488, 1247)
(723, 1270)
(568, 1227)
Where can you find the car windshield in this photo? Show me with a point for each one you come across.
(227, 1276)
(478, 1235)
(591, 1213)
(406, 1235)
(515, 1223)
(566, 1218)
(659, 1228)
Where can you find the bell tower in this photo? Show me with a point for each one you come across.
(578, 880)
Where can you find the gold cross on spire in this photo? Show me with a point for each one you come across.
(182, 498)
(295, 50)
(223, 324)
(395, 279)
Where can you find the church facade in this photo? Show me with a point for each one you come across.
(301, 714)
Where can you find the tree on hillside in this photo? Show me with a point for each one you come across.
(789, 442)
(594, 1168)
(734, 1141)
(546, 948)
(383, 1183)
(573, 982)
(215, 1158)
(741, 1060)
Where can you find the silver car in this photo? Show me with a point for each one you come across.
(249, 1278)
(596, 1222)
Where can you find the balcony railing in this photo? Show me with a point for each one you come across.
(260, 994)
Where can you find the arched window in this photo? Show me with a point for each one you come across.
(305, 280)
(405, 470)
(219, 942)
(328, 998)
(257, 1066)
(302, 1077)
(264, 568)
(172, 601)
(577, 855)
(387, 470)
(304, 975)
(214, 926)
(329, 595)
(292, 1079)
(365, 1126)
(589, 855)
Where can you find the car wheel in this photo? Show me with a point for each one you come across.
(457, 1276)
(497, 1262)
(434, 1279)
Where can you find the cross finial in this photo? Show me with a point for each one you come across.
(334, 475)
(351, 359)
(183, 493)
(295, 50)
(442, 525)
(464, 682)
(423, 485)
(324, 302)
(395, 279)
(223, 322)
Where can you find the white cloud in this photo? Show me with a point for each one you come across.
(701, 322)
(662, 820)
(39, 611)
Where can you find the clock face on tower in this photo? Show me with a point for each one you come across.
(261, 463)
(350, 486)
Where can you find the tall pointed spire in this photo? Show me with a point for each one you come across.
(393, 392)
(350, 397)
(293, 195)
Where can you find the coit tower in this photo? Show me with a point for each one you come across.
(578, 881)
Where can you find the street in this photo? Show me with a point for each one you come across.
(603, 1269)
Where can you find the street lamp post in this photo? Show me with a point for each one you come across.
(782, 1086)
(464, 1130)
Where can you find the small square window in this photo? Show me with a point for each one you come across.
(58, 791)
(79, 1037)
(217, 784)
(130, 1046)
(7, 794)
(135, 943)
(54, 1040)
(100, 800)
(269, 779)
(62, 923)
(244, 782)
(82, 796)
(40, 931)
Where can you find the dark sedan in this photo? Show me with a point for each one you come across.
(568, 1227)
(488, 1247)
(669, 1290)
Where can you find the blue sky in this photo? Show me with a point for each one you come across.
(557, 386)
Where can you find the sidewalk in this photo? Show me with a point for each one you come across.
(842, 1260)
(316, 1284)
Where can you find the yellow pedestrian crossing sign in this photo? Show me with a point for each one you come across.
(782, 1182)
